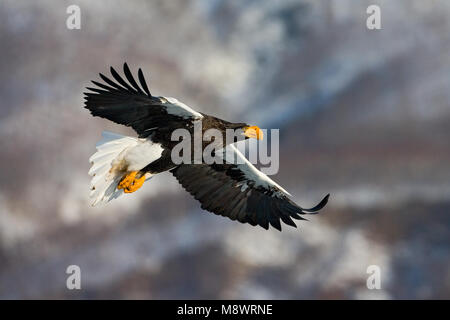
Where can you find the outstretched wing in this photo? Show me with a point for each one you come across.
(133, 105)
(241, 192)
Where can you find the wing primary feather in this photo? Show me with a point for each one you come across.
(293, 210)
(314, 210)
(283, 216)
(143, 83)
(112, 83)
(130, 78)
(120, 80)
(248, 219)
(100, 91)
(275, 222)
(103, 86)
(288, 220)
(263, 216)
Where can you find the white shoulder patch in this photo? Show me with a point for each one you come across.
(249, 170)
(177, 108)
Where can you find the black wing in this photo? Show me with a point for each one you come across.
(241, 192)
(134, 106)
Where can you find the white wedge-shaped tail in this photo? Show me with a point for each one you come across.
(116, 155)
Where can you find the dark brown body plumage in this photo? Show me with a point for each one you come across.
(164, 137)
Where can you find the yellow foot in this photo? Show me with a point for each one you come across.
(127, 180)
(129, 183)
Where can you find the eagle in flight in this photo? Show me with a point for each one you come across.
(234, 189)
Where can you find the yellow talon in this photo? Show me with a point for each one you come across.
(127, 180)
(130, 184)
(137, 183)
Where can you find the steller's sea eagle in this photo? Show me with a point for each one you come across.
(236, 190)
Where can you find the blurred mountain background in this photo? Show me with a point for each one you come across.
(363, 115)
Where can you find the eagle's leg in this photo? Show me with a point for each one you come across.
(130, 183)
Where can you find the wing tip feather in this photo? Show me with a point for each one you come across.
(319, 206)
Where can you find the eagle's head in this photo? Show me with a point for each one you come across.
(246, 130)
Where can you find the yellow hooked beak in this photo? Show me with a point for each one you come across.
(253, 132)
